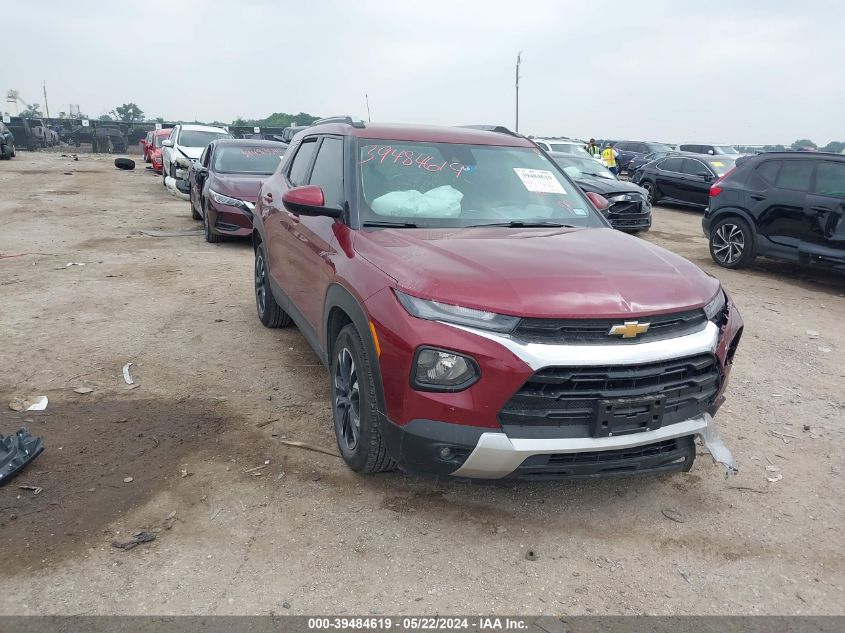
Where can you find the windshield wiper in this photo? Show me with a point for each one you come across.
(388, 223)
(525, 224)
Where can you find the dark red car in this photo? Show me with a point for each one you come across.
(224, 184)
(146, 143)
(478, 315)
(155, 150)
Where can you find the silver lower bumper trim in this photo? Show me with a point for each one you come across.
(496, 455)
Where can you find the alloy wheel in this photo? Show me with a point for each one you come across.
(649, 188)
(347, 415)
(728, 243)
(260, 276)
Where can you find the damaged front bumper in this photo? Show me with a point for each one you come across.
(496, 455)
(16, 451)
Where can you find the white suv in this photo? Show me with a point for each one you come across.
(184, 146)
(565, 146)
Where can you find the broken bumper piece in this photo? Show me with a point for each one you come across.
(16, 451)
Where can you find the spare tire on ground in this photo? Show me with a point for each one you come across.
(124, 163)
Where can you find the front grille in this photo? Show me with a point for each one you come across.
(565, 400)
(673, 454)
(596, 331)
(628, 209)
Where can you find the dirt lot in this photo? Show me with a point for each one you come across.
(217, 392)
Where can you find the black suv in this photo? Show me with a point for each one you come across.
(629, 150)
(787, 205)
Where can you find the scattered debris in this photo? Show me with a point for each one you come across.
(170, 520)
(191, 233)
(286, 605)
(824, 350)
(83, 390)
(673, 515)
(135, 541)
(16, 451)
(531, 554)
(36, 403)
(126, 376)
(36, 490)
(128, 480)
(184, 472)
(685, 576)
(266, 422)
(812, 334)
(310, 447)
(500, 529)
(783, 436)
(806, 427)
(69, 264)
(774, 479)
(252, 470)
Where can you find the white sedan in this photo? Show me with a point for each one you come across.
(184, 146)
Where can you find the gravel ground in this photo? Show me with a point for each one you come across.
(261, 527)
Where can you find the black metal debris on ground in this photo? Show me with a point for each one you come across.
(16, 451)
(137, 539)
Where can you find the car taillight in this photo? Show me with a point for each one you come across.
(715, 189)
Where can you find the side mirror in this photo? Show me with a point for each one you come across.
(706, 176)
(599, 201)
(167, 143)
(710, 151)
(308, 200)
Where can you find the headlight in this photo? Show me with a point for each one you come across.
(436, 311)
(716, 310)
(620, 197)
(219, 198)
(440, 370)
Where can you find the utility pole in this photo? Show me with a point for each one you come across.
(518, 62)
(46, 105)
(367, 98)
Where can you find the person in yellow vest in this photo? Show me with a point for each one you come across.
(593, 148)
(609, 155)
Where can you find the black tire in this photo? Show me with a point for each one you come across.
(13, 152)
(6, 153)
(269, 312)
(163, 175)
(210, 236)
(732, 243)
(652, 191)
(124, 163)
(355, 407)
(194, 213)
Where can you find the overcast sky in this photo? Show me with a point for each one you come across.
(668, 70)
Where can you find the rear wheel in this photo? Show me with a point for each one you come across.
(354, 405)
(732, 243)
(651, 190)
(269, 312)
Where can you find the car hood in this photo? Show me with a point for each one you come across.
(240, 186)
(191, 152)
(607, 186)
(579, 273)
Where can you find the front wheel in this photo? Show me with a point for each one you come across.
(354, 405)
(732, 243)
(210, 236)
(194, 213)
(269, 312)
(651, 191)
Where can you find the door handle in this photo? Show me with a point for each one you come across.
(757, 197)
(820, 209)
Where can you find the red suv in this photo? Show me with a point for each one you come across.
(478, 315)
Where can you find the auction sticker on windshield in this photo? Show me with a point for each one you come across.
(539, 180)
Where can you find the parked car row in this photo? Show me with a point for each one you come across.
(477, 313)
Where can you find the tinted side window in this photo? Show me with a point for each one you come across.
(795, 174)
(206, 156)
(328, 171)
(694, 167)
(830, 179)
(672, 164)
(302, 161)
(621, 147)
(768, 171)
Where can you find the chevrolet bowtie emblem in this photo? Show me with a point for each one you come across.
(630, 329)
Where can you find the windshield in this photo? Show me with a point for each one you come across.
(721, 166)
(658, 147)
(725, 149)
(575, 166)
(569, 148)
(457, 185)
(247, 159)
(197, 138)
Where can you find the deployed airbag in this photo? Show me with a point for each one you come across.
(440, 202)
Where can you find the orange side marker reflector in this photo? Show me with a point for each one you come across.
(375, 339)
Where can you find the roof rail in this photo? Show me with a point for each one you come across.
(340, 119)
(501, 129)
